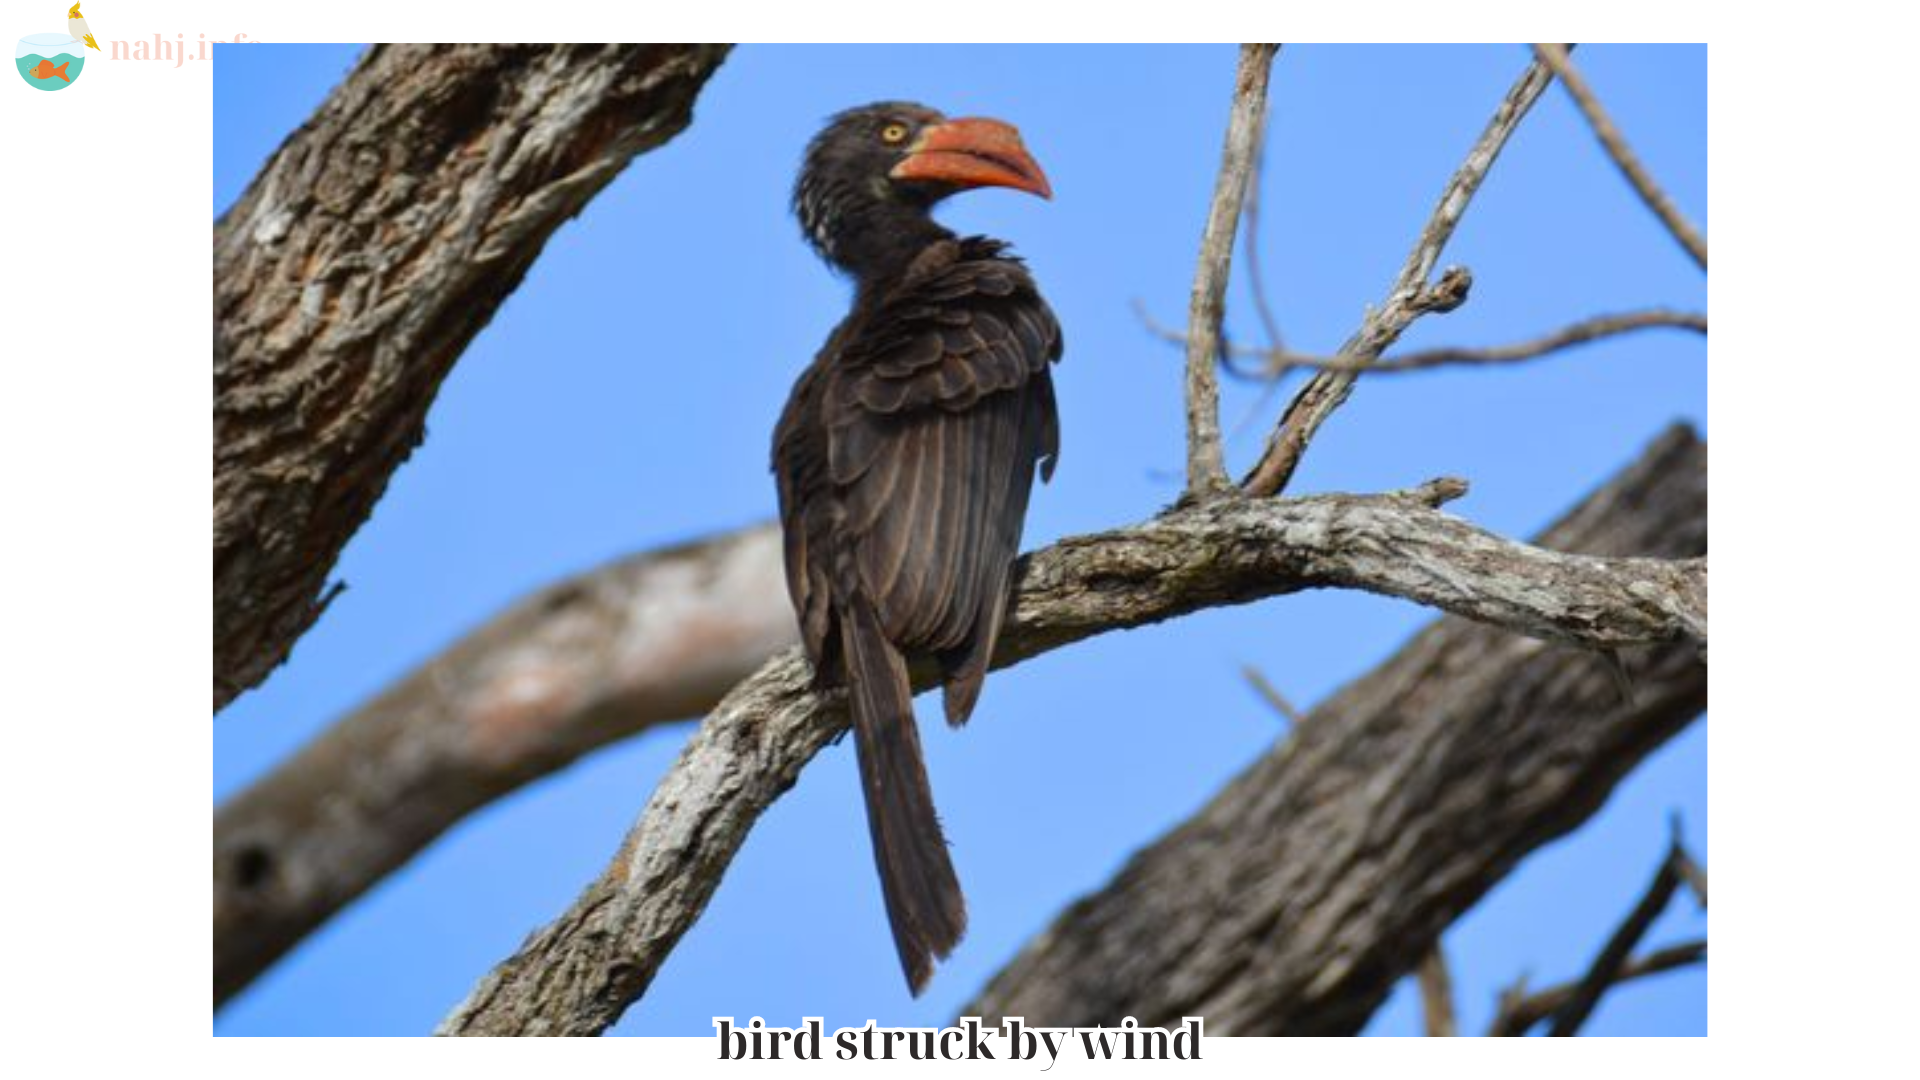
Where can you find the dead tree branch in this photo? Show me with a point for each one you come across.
(1520, 1011)
(1412, 295)
(579, 973)
(646, 640)
(1615, 956)
(374, 245)
(1318, 878)
(1274, 364)
(1436, 993)
(1271, 695)
(1206, 461)
(1650, 192)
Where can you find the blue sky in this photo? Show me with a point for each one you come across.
(624, 395)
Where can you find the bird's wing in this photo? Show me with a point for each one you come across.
(938, 411)
(806, 519)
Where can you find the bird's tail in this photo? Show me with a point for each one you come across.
(923, 896)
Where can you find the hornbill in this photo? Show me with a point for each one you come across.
(904, 458)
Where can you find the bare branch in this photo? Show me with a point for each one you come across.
(1256, 276)
(1436, 993)
(1586, 331)
(1556, 58)
(1313, 882)
(1692, 873)
(1520, 1011)
(1271, 694)
(1206, 462)
(648, 639)
(1606, 968)
(1410, 297)
(579, 973)
(372, 247)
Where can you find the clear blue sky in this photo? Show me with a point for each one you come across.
(624, 395)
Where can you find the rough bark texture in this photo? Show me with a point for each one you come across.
(1293, 902)
(577, 975)
(369, 251)
(643, 641)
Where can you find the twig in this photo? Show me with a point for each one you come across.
(1206, 462)
(1584, 332)
(1436, 993)
(1580, 333)
(1410, 297)
(1691, 872)
(1256, 278)
(1271, 695)
(1606, 968)
(1519, 1011)
(1556, 58)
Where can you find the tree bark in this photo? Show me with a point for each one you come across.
(1294, 901)
(577, 975)
(649, 639)
(377, 241)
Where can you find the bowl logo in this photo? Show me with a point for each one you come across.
(54, 61)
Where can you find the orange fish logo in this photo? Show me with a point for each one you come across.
(54, 61)
(46, 70)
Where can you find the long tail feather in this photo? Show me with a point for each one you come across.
(916, 875)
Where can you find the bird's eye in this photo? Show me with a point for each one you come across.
(893, 134)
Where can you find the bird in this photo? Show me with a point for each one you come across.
(77, 26)
(904, 459)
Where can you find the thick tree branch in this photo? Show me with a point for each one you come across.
(1556, 57)
(1319, 877)
(1206, 462)
(579, 973)
(646, 640)
(1411, 296)
(374, 245)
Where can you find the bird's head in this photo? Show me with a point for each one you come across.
(872, 176)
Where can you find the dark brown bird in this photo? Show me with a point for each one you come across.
(904, 459)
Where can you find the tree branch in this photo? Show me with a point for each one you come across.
(1315, 880)
(1436, 993)
(1556, 58)
(1206, 462)
(373, 246)
(579, 973)
(1271, 694)
(1276, 363)
(1613, 959)
(1520, 1011)
(1583, 332)
(1410, 297)
(649, 639)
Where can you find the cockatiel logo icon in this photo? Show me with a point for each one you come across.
(77, 26)
(53, 61)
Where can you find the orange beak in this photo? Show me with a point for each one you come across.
(973, 152)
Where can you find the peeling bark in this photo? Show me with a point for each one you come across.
(374, 245)
(1294, 901)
